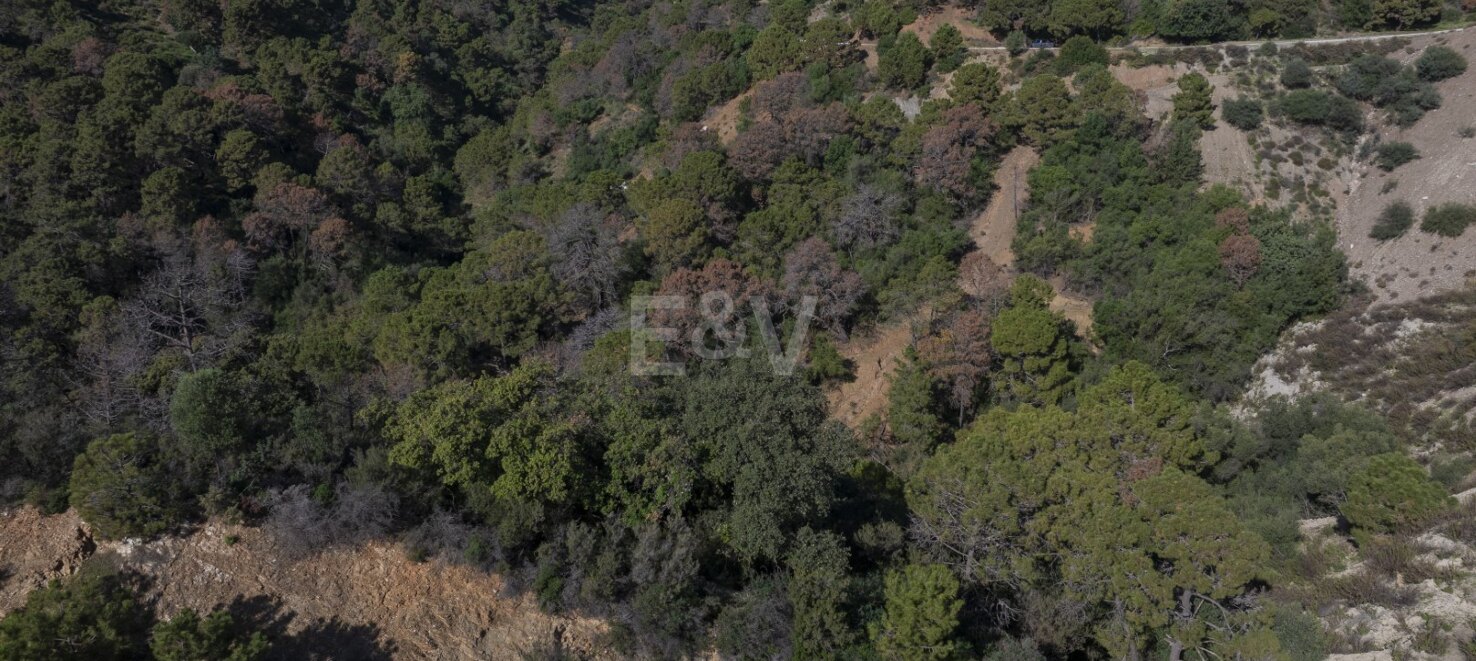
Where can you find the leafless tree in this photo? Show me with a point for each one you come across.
(983, 280)
(773, 99)
(810, 130)
(755, 152)
(868, 219)
(301, 525)
(959, 356)
(949, 148)
(687, 139)
(586, 254)
(196, 309)
(810, 269)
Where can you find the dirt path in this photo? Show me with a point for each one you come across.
(993, 230)
(1280, 43)
(876, 356)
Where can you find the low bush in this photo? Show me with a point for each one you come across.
(1391, 155)
(1295, 74)
(1393, 222)
(1321, 108)
(1439, 63)
(1244, 114)
(1448, 219)
(1389, 85)
(1393, 493)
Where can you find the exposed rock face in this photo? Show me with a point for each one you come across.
(35, 549)
(367, 602)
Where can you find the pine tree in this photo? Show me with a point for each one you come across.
(1193, 102)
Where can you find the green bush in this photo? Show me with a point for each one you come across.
(1389, 85)
(1392, 493)
(1448, 219)
(1391, 155)
(1393, 222)
(119, 487)
(93, 615)
(1244, 114)
(1439, 63)
(1078, 52)
(1015, 42)
(1321, 108)
(1296, 74)
(1299, 632)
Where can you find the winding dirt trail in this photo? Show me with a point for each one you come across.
(877, 355)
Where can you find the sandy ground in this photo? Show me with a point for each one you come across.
(993, 230)
(367, 602)
(961, 18)
(1418, 263)
(1228, 157)
(875, 356)
(724, 118)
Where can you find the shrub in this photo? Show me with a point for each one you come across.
(1015, 42)
(121, 489)
(1448, 219)
(1299, 632)
(1393, 222)
(1321, 108)
(1439, 63)
(1078, 52)
(1391, 493)
(1296, 74)
(1394, 154)
(1244, 114)
(1389, 85)
(91, 616)
(905, 65)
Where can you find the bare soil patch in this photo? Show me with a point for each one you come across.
(35, 549)
(724, 118)
(993, 230)
(962, 18)
(1419, 264)
(875, 358)
(373, 597)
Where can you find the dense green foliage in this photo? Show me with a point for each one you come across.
(97, 615)
(341, 267)
(1393, 492)
(1389, 85)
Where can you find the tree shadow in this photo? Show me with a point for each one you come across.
(329, 638)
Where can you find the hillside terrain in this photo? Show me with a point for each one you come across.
(723, 329)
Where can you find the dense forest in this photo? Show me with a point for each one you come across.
(336, 267)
